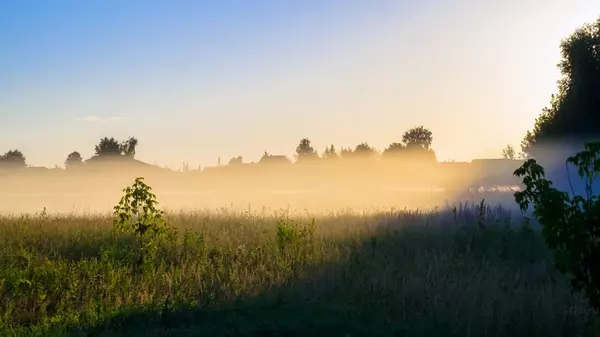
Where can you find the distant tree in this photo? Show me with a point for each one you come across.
(394, 150)
(418, 137)
(509, 152)
(305, 151)
(73, 160)
(346, 152)
(112, 147)
(128, 147)
(13, 159)
(235, 161)
(574, 111)
(364, 150)
(330, 152)
(108, 147)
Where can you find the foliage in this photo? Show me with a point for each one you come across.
(73, 160)
(112, 147)
(362, 151)
(13, 159)
(290, 233)
(394, 148)
(571, 225)
(415, 146)
(394, 151)
(330, 152)
(128, 147)
(574, 111)
(509, 152)
(137, 213)
(108, 147)
(379, 274)
(418, 137)
(346, 152)
(365, 148)
(305, 151)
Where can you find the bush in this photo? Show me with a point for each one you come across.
(137, 213)
(570, 225)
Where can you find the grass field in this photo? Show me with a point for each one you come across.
(462, 272)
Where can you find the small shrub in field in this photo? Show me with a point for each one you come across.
(571, 225)
(290, 233)
(137, 213)
(193, 245)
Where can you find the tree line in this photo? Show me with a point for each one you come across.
(573, 114)
(574, 110)
(416, 142)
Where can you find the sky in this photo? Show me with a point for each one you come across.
(198, 80)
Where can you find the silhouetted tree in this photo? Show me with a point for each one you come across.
(363, 150)
(330, 152)
(394, 150)
(108, 147)
(509, 152)
(13, 159)
(128, 147)
(574, 111)
(305, 151)
(236, 161)
(111, 147)
(346, 152)
(418, 137)
(73, 160)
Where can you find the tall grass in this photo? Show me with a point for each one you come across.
(468, 271)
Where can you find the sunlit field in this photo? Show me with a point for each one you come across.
(317, 201)
(455, 271)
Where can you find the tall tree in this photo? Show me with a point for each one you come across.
(574, 111)
(73, 160)
(13, 159)
(128, 147)
(330, 152)
(346, 152)
(305, 151)
(509, 152)
(418, 137)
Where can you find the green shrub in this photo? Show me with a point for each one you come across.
(137, 213)
(570, 225)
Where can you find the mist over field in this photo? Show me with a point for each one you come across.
(302, 169)
(313, 188)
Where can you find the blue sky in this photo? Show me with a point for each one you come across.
(193, 80)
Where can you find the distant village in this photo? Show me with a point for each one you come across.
(402, 163)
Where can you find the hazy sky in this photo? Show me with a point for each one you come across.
(193, 80)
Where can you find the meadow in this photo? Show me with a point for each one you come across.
(460, 271)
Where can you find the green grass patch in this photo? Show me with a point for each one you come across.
(459, 272)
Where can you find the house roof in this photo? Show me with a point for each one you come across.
(274, 159)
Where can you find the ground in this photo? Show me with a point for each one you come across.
(454, 272)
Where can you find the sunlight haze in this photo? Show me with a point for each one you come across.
(195, 80)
